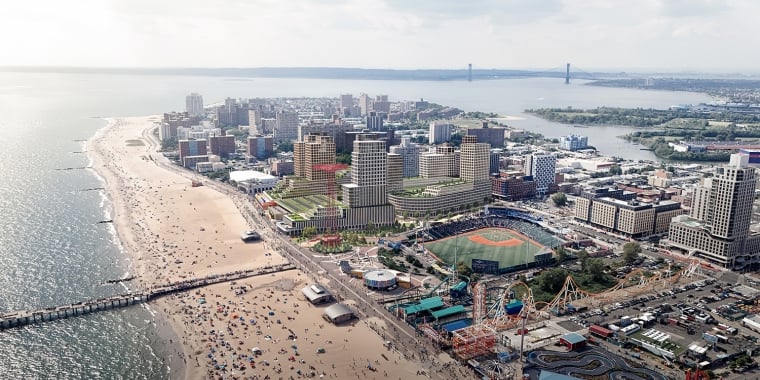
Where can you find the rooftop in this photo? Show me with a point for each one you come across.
(573, 338)
(249, 175)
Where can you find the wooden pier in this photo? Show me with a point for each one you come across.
(27, 317)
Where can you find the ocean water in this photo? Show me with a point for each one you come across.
(52, 251)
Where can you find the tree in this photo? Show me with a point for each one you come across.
(559, 199)
(285, 146)
(463, 269)
(631, 252)
(169, 144)
(371, 226)
(595, 267)
(553, 279)
(583, 257)
(309, 232)
(561, 254)
(616, 170)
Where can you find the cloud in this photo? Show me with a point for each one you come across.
(591, 34)
(512, 11)
(693, 8)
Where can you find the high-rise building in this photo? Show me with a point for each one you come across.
(440, 133)
(365, 104)
(259, 147)
(374, 121)
(490, 135)
(346, 102)
(410, 154)
(227, 114)
(381, 104)
(573, 142)
(286, 126)
(441, 162)
(541, 167)
(395, 172)
(474, 160)
(222, 146)
(718, 227)
(368, 174)
(494, 163)
(194, 104)
(313, 150)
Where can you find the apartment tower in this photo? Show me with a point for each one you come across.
(194, 104)
(718, 227)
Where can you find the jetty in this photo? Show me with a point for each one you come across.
(28, 317)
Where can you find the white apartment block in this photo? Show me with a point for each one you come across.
(542, 168)
(439, 133)
(194, 104)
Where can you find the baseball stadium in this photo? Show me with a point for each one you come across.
(501, 240)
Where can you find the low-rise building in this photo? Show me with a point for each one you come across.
(251, 181)
(316, 294)
(338, 313)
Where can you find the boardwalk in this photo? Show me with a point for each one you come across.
(26, 317)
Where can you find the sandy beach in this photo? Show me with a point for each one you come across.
(174, 231)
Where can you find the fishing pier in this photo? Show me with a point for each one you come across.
(27, 317)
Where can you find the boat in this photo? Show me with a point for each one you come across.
(579, 126)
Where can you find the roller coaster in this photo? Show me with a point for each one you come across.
(490, 314)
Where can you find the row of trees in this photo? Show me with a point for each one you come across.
(593, 270)
(634, 117)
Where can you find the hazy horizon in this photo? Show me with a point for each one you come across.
(750, 74)
(700, 36)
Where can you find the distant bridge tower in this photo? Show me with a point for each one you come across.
(567, 74)
(469, 72)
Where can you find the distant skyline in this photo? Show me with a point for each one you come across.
(592, 35)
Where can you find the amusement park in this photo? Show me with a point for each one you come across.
(492, 314)
(508, 294)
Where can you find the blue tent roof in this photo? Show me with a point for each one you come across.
(456, 325)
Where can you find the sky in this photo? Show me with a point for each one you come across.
(609, 35)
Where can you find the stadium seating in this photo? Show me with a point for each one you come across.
(522, 223)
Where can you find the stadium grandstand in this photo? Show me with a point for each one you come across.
(495, 217)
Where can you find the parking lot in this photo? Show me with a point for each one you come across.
(682, 314)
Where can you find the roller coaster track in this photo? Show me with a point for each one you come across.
(635, 282)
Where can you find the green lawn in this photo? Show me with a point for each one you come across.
(302, 204)
(466, 250)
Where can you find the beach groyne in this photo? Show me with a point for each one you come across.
(27, 317)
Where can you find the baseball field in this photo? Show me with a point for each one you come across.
(506, 246)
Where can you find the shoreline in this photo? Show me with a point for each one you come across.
(126, 244)
(173, 231)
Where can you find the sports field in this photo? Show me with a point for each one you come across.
(506, 246)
